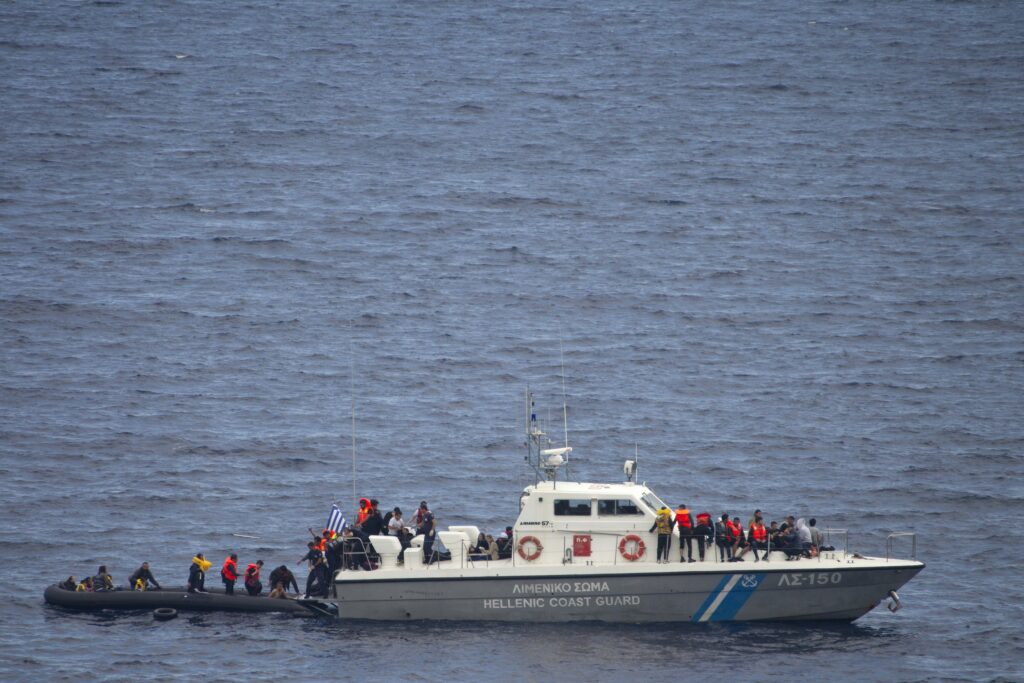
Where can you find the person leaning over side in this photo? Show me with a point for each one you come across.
(142, 578)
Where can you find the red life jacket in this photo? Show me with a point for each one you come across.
(252, 574)
(704, 519)
(735, 530)
(759, 532)
(322, 545)
(683, 518)
(230, 570)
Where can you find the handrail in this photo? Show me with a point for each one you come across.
(899, 534)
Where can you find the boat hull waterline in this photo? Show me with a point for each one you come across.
(753, 594)
(174, 598)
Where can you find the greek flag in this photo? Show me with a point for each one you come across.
(336, 521)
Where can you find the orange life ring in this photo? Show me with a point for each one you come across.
(537, 548)
(640, 547)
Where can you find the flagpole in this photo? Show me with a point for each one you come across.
(352, 391)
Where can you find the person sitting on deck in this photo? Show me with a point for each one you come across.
(68, 584)
(486, 548)
(253, 585)
(759, 538)
(803, 538)
(85, 586)
(739, 544)
(142, 578)
(102, 581)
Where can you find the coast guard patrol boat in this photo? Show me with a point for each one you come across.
(584, 552)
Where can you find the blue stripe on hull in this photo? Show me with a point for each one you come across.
(711, 598)
(737, 597)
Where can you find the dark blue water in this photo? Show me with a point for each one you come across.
(782, 247)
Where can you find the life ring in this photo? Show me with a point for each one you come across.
(164, 613)
(640, 547)
(537, 548)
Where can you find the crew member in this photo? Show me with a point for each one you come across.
(142, 578)
(426, 527)
(664, 523)
(229, 573)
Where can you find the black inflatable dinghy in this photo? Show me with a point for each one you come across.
(181, 600)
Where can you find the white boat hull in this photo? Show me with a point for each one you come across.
(659, 593)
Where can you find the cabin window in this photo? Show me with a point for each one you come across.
(572, 507)
(618, 507)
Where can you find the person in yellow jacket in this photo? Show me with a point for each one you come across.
(664, 524)
(197, 574)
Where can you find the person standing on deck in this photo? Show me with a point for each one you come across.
(684, 520)
(664, 523)
(229, 573)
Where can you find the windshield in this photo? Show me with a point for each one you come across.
(653, 502)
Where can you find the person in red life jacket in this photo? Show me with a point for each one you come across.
(684, 520)
(229, 574)
(703, 532)
(253, 585)
(364, 510)
(739, 544)
(759, 538)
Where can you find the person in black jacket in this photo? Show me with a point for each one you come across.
(316, 583)
(282, 575)
(197, 574)
(144, 575)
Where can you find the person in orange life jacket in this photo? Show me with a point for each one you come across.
(364, 510)
(759, 538)
(253, 585)
(703, 532)
(664, 523)
(229, 573)
(724, 538)
(684, 520)
(739, 544)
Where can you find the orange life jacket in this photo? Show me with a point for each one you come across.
(230, 570)
(759, 532)
(683, 518)
(734, 529)
(252, 574)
